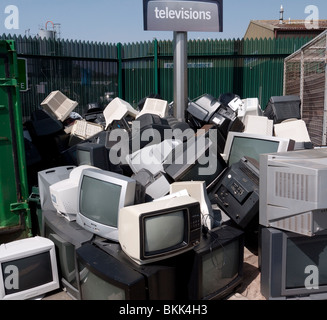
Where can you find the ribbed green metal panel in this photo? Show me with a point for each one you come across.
(84, 71)
(14, 212)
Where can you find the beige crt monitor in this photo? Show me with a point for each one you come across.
(294, 129)
(155, 106)
(58, 105)
(198, 191)
(118, 109)
(258, 125)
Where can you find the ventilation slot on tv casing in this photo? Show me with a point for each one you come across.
(292, 186)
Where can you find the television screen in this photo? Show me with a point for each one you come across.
(159, 229)
(161, 279)
(102, 277)
(100, 196)
(28, 269)
(240, 144)
(217, 269)
(92, 154)
(293, 266)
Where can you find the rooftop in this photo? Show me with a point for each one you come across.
(290, 24)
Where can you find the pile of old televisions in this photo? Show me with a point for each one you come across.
(143, 206)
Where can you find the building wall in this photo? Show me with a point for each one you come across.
(260, 32)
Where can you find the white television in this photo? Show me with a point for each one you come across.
(198, 191)
(48, 177)
(250, 106)
(161, 229)
(242, 144)
(259, 125)
(293, 191)
(295, 129)
(85, 129)
(152, 157)
(100, 195)
(155, 106)
(118, 109)
(28, 269)
(64, 193)
(58, 105)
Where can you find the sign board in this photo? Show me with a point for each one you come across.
(183, 15)
(22, 74)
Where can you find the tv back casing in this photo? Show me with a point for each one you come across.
(292, 191)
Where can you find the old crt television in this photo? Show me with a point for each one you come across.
(64, 193)
(117, 109)
(155, 106)
(100, 196)
(161, 229)
(237, 191)
(198, 191)
(161, 279)
(240, 144)
(48, 177)
(152, 157)
(103, 277)
(217, 269)
(280, 108)
(58, 105)
(293, 191)
(293, 266)
(195, 160)
(93, 154)
(28, 269)
(67, 237)
(203, 108)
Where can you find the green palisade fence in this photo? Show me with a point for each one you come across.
(85, 71)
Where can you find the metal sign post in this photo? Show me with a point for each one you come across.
(182, 16)
(180, 75)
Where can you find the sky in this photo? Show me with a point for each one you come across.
(113, 21)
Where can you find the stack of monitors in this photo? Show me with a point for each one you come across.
(293, 221)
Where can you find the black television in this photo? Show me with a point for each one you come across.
(217, 269)
(67, 237)
(103, 277)
(293, 266)
(237, 192)
(195, 160)
(280, 108)
(92, 154)
(161, 280)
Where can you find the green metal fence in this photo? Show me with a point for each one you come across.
(85, 71)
